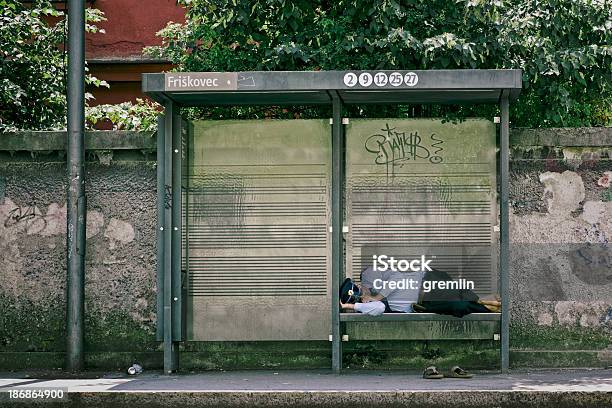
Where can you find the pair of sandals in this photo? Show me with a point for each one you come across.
(432, 373)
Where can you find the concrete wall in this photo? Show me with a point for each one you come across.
(561, 258)
(120, 295)
(561, 268)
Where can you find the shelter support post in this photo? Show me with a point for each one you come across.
(161, 194)
(336, 232)
(177, 164)
(504, 239)
(170, 207)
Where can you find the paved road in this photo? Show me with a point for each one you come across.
(558, 389)
(559, 380)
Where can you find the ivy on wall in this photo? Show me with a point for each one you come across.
(139, 115)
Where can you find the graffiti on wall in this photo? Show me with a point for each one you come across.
(395, 148)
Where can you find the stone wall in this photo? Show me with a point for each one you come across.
(561, 266)
(120, 262)
(561, 258)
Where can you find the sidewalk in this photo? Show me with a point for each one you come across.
(558, 389)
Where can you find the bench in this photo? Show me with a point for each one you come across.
(417, 317)
(420, 326)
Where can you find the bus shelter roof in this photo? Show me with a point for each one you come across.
(464, 86)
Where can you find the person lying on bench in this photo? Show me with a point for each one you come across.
(385, 287)
(357, 298)
(372, 308)
(376, 296)
(382, 289)
(454, 302)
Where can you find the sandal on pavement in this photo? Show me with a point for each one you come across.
(432, 373)
(458, 372)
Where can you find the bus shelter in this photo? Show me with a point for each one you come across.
(343, 216)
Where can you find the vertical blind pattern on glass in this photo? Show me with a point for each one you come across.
(423, 187)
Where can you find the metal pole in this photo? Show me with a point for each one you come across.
(177, 205)
(504, 245)
(76, 201)
(161, 194)
(337, 221)
(170, 348)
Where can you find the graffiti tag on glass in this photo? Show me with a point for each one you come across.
(394, 147)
